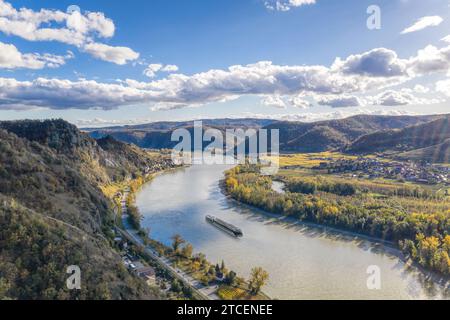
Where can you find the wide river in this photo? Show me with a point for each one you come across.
(304, 262)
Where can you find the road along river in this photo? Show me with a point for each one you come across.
(304, 262)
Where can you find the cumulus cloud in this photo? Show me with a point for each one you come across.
(273, 101)
(430, 60)
(320, 116)
(12, 58)
(154, 68)
(378, 62)
(394, 98)
(65, 94)
(74, 28)
(300, 102)
(170, 68)
(340, 101)
(345, 83)
(423, 23)
(286, 5)
(401, 97)
(117, 55)
(446, 39)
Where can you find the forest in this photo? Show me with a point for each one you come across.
(54, 212)
(423, 235)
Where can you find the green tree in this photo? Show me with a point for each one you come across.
(230, 279)
(176, 286)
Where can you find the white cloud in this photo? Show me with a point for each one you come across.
(286, 5)
(117, 55)
(430, 60)
(422, 23)
(65, 94)
(100, 122)
(300, 102)
(339, 101)
(401, 97)
(273, 101)
(394, 98)
(446, 39)
(170, 68)
(154, 68)
(443, 87)
(378, 62)
(421, 89)
(12, 58)
(347, 82)
(320, 116)
(75, 28)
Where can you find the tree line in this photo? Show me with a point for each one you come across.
(424, 236)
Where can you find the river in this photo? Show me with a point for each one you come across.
(304, 262)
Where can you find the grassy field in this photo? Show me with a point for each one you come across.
(378, 189)
(310, 160)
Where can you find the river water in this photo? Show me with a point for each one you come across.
(304, 262)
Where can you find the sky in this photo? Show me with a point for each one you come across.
(101, 63)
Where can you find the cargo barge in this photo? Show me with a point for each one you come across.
(224, 226)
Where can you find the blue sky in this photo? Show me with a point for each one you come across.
(182, 41)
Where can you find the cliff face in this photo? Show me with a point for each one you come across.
(53, 213)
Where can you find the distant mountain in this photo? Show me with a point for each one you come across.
(294, 136)
(419, 136)
(172, 125)
(335, 134)
(53, 213)
(158, 135)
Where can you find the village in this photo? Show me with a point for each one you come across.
(424, 173)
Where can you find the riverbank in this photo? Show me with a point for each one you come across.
(258, 190)
(185, 266)
(303, 262)
(388, 246)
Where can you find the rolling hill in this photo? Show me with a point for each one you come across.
(439, 153)
(335, 134)
(422, 136)
(294, 136)
(158, 135)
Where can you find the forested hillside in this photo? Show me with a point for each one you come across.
(421, 136)
(53, 213)
(294, 136)
(335, 134)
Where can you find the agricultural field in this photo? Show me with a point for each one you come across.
(413, 216)
(309, 160)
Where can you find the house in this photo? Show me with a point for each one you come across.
(147, 273)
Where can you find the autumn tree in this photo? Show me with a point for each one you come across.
(258, 280)
(177, 241)
(187, 251)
